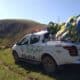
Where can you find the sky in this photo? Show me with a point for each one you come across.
(42, 11)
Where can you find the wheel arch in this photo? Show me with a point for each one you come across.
(47, 54)
(15, 51)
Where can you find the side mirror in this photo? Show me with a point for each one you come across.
(18, 43)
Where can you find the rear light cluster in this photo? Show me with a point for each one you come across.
(72, 50)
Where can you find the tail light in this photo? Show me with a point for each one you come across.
(72, 50)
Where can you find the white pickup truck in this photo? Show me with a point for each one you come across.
(39, 48)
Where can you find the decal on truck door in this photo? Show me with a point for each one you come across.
(33, 49)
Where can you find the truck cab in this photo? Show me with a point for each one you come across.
(30, 45)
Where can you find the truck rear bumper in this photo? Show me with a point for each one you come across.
(77, 62)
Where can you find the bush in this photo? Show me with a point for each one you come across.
(53, 28)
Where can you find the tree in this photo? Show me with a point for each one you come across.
(53, 27)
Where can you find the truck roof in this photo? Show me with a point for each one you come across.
(37, 33)
(40, 32)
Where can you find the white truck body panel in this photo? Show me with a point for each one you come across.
(53, 48)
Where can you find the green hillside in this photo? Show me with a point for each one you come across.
(13, 30)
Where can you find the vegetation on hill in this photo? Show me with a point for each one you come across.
(13, 30)
(54, 27)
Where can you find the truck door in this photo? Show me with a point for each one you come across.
(24, 47)
(33, 47)
(30, 47)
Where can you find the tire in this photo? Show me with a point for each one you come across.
(48, 63)
(16, 57)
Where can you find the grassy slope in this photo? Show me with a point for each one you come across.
(10, 71)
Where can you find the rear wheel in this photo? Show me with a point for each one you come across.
(16, 57)
(49, 64)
